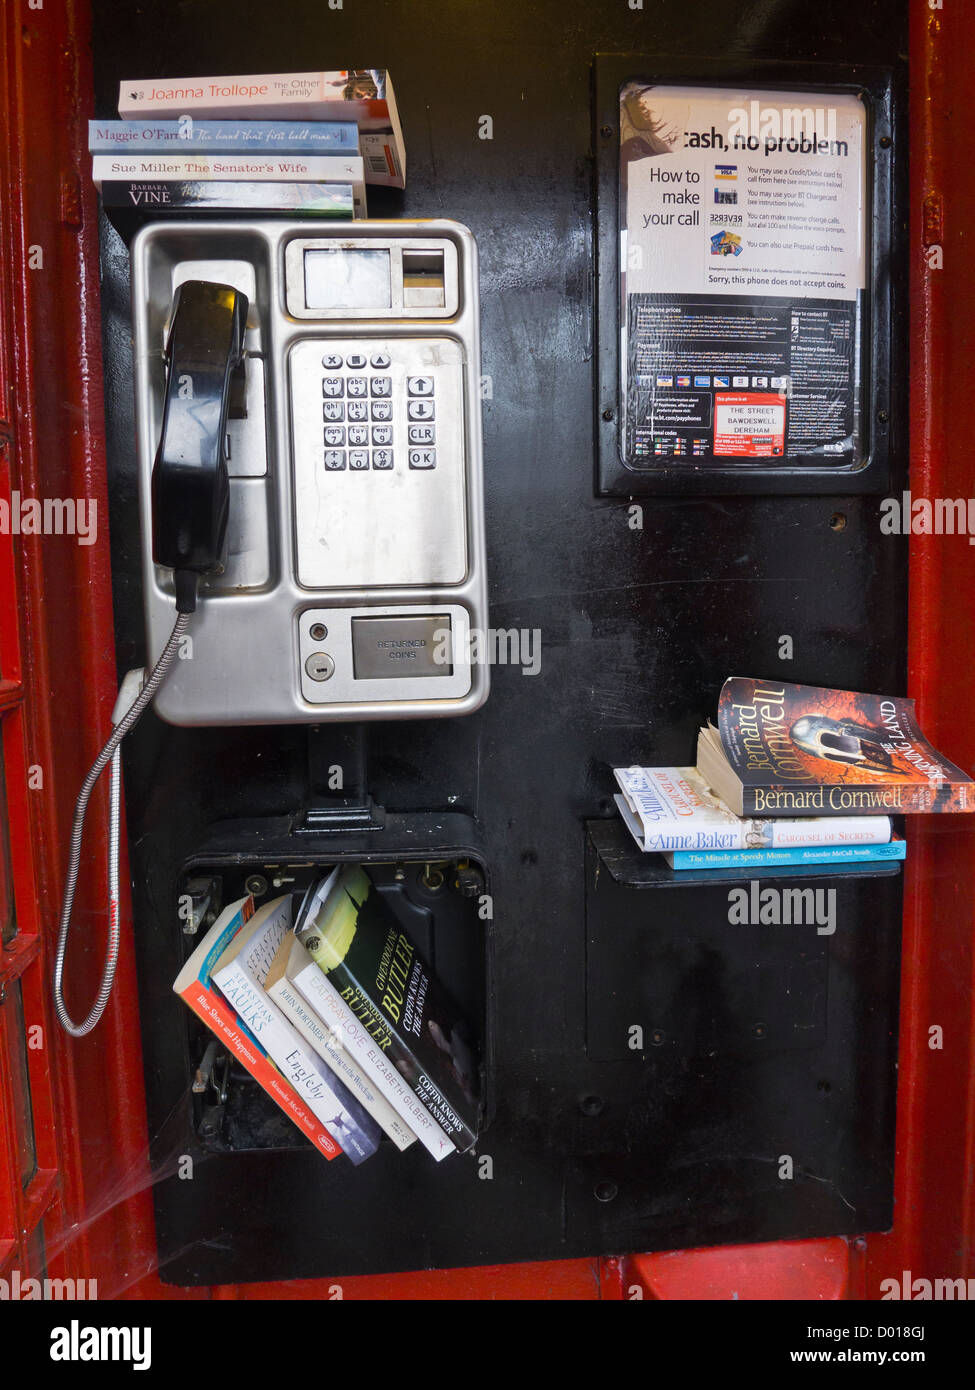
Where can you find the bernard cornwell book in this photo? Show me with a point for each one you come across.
(801, 750)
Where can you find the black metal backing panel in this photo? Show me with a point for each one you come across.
(641, 617)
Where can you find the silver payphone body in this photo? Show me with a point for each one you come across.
(353, 583)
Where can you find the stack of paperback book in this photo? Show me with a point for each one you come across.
(329, 1006)
(306, 142)
(792, 775)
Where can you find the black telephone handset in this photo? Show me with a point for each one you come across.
(204, 383)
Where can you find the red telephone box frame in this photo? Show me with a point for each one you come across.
(93, 1133)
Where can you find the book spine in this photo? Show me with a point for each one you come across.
(239, 167)
(325, 999)
(405, 1057)
(768, 858)
(287, 1050)
(857, 799)
(334, 1055)
(331, 200)
(848, 831)
(224, 137)
(211, 1010)
(271, 96)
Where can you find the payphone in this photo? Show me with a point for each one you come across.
(341, 437)
(309, 460)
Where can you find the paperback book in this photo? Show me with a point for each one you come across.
(320, 994)
(353, 937)
(331, 200)
(894, 850)
(328, 1043)
(239, 974)
(673, 809)
(364, 95)
(802, 750)
(205, 167)
(225, 137)
(194, 986)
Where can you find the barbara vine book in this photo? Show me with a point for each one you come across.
(801, 750)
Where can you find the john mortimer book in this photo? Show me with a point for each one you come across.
(355, 939)
(799, 750)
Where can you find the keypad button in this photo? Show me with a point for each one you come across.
(358, 434)
(333, 410)
(422, 434)
(382, 434)
(358, 459)
(334, 434)
(382, 386)
(419, 385)
(382, 410)
(356, 386)
(419, 410)
(382, 458)
(356, 361)
(332, 360)
(358, 410)
(423, 458)
(331, 386)
(334, 459)
(380, 360)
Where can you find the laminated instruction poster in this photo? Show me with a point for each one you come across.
(743, 265)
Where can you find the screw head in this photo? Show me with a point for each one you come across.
(605, 1191)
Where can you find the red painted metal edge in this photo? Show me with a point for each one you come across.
(67, 616)
(933, 1229)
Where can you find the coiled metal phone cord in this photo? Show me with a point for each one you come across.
(109, 754)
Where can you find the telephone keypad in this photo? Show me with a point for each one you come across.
(359, 400)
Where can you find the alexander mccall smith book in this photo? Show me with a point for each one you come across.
(801, 750)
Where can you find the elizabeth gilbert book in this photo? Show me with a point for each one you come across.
(356, 940)
(800, 750)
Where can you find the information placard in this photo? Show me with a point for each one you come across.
(743, 280)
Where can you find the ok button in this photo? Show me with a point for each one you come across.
(419, 385)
